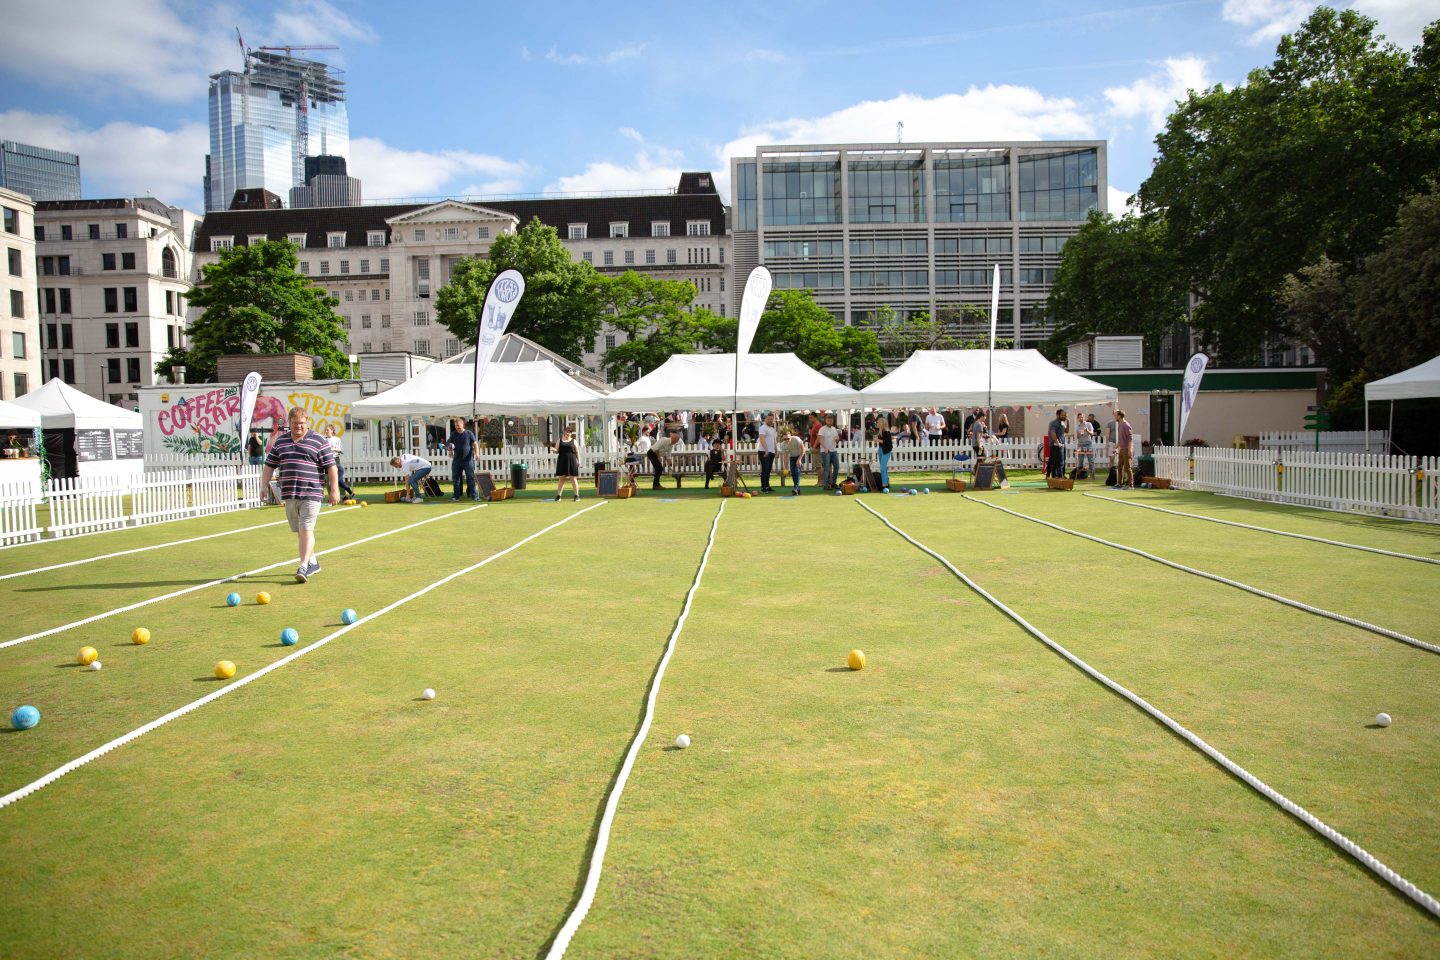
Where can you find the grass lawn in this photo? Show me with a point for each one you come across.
(969, 793)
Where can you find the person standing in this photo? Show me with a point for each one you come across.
(979, 430)
(255, 450)
(1002, 427)
(829, 439)
(715, 462)
(765, 446)
(1084, 447)
(661, 448)
(337, 447)
(307, 471)
(461, 444)
(813, 439)
(792, 448)
(1124, 436)
(886, 441)
(415, 470)
(934, 427)
(1055, 464)
(567, 464)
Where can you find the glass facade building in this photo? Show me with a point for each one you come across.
(259, 133)
(916, 227)
(38, 172)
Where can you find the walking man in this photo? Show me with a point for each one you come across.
(308, 474)
(767, 452)
(461, 444)
(1124, 436)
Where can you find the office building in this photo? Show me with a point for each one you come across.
(386, 263)
(326, 185)
(113, 281)
(19, 321)
(39, 172)
(917, 227)
(266, 120)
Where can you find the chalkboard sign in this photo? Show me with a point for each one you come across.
(607, 483)
(988, 476)
(93, 445)
(486, 483)
(129, 444)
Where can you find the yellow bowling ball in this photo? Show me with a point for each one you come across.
(140, 636)
(262, 598)
(856, 660)
(224, 669)
(88, 655)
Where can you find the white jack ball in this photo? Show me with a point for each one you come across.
(428, 694)
(682, 741)
(94, 664)
(1382, 719)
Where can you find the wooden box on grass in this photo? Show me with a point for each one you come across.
(1060, 483)
(955, 484)
(501, 493)
(1160, 483)
(393, 496)
(726, 491)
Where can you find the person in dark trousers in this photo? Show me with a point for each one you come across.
(766, 450)
(461, 444)
(660, 448)
(1055, 465)
(255, 450)
(715, 462)
(337, 447)
(307, 473)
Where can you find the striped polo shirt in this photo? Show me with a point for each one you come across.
(300, 465)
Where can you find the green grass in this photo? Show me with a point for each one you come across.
(968, 793)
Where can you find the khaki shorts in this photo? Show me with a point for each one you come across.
(302, 514)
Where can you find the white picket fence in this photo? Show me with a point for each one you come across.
(1407, 487)
(1331, 441)
(79, 506)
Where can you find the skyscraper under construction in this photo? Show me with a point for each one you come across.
(266, 120)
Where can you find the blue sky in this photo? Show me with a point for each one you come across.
(454, 99)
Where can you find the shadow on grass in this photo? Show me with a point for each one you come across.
(72, 664)
(209, 678)
(114, 586)
(839, 670)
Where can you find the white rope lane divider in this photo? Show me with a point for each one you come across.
(612, 802)
(231, 687)
(1369, 861)
(1298, 605)
(155, 546)
(1279, 533)
(231, 579)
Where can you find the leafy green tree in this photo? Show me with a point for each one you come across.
(1397, 294)
(1117, 276)
(659, 320)
(794, 323)
(901, 336)
(1318, 307)
(1310, 157)
(255, 302)
(561, 309)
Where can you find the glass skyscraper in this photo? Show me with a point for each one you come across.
(259, 133)
(38, 172)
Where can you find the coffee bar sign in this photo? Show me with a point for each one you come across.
(203, 421)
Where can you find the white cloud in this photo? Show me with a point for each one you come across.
(123, 159)
(317, 22)
(1400, 20)
(98, 46)
(629, 51)
(388, 172)
(1267, 20)
(1153, 98)
(1117, 201)
(653, 167)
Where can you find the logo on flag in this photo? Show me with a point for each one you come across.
(1194, 371)
(500, 302)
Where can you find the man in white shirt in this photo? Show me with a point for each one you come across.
(934, 426)
(415, 470)
(661, 448)
(766, 447)
(828, 439)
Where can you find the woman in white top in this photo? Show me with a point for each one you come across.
(338, 447)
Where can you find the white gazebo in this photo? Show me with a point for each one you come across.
(86, 437)
(19, 475)
(706, 381)
(1418, 382)
(965, 378)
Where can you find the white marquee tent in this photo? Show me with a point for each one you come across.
(14, 415)
(62, 407)
(105, 438)
(706, 381)
(1416, 383)
(961, 378)
(447, 389)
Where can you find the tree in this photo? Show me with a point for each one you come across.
(1317, 305)
(561, 309)
(1397, 294)
(255, 302)
(899, 337)
(659, 321)
(1117, 276)
(794, 323)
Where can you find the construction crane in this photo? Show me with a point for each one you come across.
(302, 120)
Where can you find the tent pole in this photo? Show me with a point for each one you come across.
(1390, 430)
(1367, 425)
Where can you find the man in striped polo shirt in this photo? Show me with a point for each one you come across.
(308, 474)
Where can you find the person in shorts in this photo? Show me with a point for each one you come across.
(307, 471)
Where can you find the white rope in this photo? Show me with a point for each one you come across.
(612, 802)
(1279, 533)
(1422, 898)
(1318, 611)
(229, 688)
(155, 546)
(230, 579)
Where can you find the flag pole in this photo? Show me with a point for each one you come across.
(994, 311)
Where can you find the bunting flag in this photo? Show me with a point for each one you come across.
(500, 302)
(1194, 370)
(249, 393)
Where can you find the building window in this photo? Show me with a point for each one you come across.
(697, 228)
(62, 266)
(22, 384)
(12, 221)
(375, 238)
(112, 336)
(49, 295)
(112, 370)
(384, 320)
(324, 266)
(65, 301)
(620, 228)
(167, 264)
(588, 257)
(107, 261)
(452, 347)
(384, 346)
(304, 266)
(335, 239)
(609, 341)
(127, 261)
(67, 231)
(67, 337)
(68, 366)
(609, 258)
(132, 300)
(52, 336)
(578, 230)
(132, 369)
(384, 264)
(122, 231)
(132, 335)
(17, 339)
(422, 347)
(13, 256)
(344, 266)
(39, 231)
(296, 238)
(218, 244)
(375, 294)
(419, 236)
(448, 233)
(54, 366)
(649, 256)
(669, 256)
(629, 256)
(482, 233)
(364, 266)
(422, 318)
(364, 321)
(349, 296)
(660, 228)
(112, 300)
(94, 230)
(255, 239)
(367, 347)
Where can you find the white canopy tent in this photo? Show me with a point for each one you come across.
(1416, 383)
(62, 407)
(448, 389)
(105, 440)
(962, 378)
(13, 415)
(768, 381)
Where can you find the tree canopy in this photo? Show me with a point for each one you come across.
(658, 321)
(255, 302)
(794, 323)
(562, 306)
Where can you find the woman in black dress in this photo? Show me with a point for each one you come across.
(567, 464)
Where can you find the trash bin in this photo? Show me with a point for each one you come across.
(1145, 467)
(517, 476)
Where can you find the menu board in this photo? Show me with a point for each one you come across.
(93, 445)
(129, 444)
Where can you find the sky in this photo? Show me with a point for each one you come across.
(481, 99)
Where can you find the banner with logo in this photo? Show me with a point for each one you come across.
(249, 393)
(500, 302)
(752, 306)
(1194, 371)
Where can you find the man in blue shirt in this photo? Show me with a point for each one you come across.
(461, 444)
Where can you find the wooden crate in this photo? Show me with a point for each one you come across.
(625, 492)
(848, 487)
(1160, 483)
(726, 491)
(955, 484)
(501, 493)
(393, 496)
(1060, 483)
